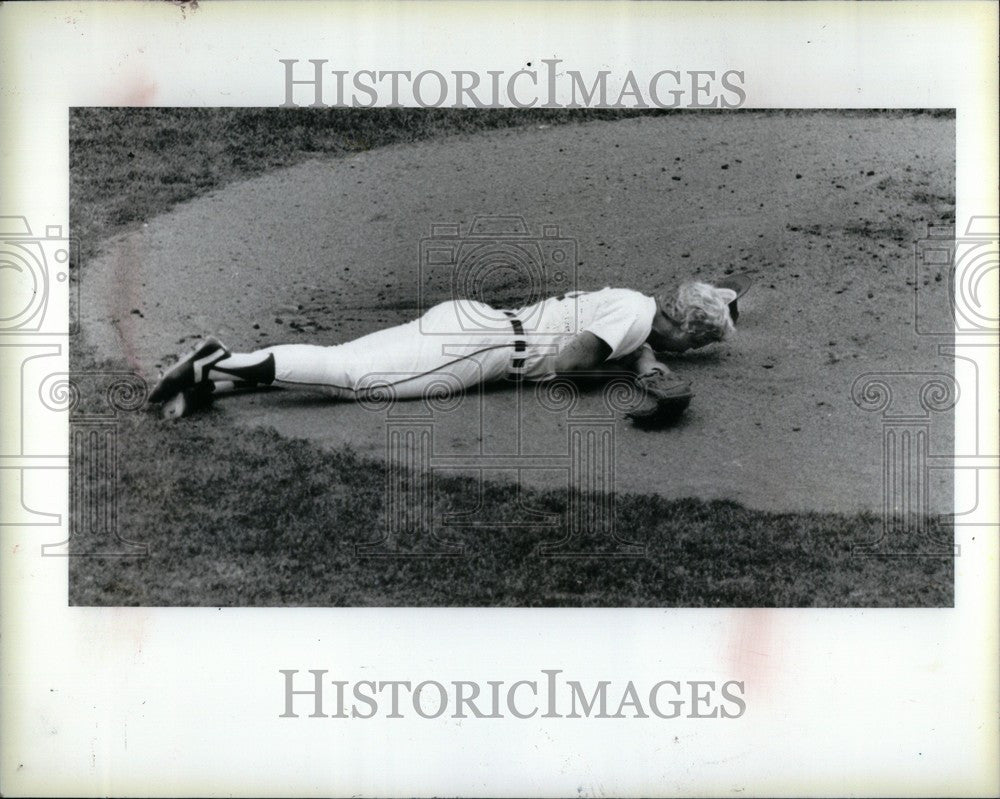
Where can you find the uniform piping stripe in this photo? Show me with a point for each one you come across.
(397, 382)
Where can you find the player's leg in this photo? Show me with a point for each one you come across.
(304, 366)
(333, 370)
(340, 371)
(438, 352)
(444, 351)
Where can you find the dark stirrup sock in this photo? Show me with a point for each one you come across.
(256, 368)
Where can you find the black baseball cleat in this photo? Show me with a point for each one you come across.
(190, 371)
(740, 283)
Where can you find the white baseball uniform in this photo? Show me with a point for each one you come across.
(460, 343)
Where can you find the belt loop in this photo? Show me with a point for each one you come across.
(520, 345)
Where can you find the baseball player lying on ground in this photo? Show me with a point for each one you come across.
(461, 343)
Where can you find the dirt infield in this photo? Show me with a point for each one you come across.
(823, 209)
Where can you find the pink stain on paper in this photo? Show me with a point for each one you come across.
(140, 92)
(753, 654)
(125, 309)
(125, 303)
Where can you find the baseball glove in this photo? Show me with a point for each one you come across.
(665, 397)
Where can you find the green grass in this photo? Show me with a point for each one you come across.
(235, 517)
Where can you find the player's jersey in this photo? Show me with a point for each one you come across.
(622, 318)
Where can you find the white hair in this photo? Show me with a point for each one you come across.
(702, 310)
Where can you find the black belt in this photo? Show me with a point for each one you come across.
(520, 345)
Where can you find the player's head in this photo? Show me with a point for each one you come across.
(697, 316)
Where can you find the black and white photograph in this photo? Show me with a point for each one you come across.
(447, 357)
(499, 399)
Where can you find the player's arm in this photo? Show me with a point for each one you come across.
(582, 352)
(643, 361)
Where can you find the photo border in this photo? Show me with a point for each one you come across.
(165, 701)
